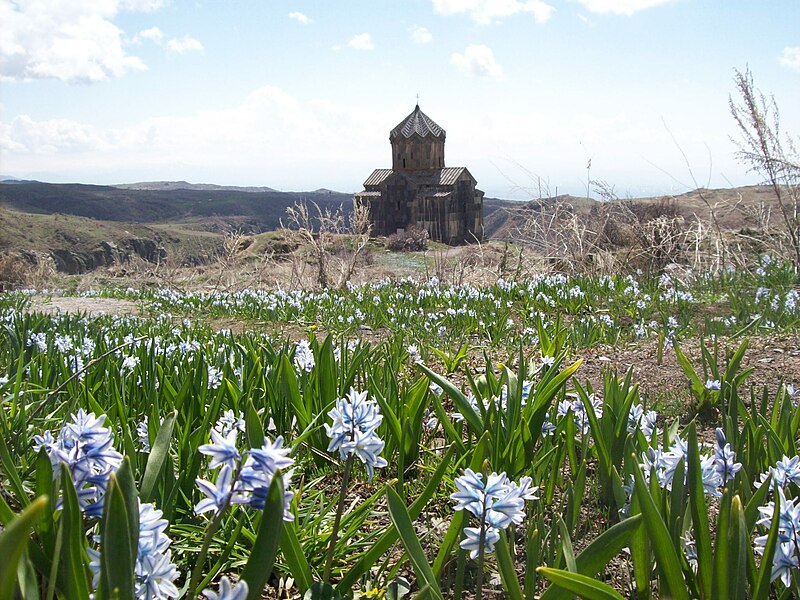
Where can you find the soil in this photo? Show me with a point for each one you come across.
(91, 306)
(775, 359)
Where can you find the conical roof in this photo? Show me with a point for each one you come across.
(417, 123)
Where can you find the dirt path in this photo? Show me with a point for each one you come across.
(92, 306)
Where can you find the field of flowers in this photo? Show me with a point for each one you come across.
(399, 439)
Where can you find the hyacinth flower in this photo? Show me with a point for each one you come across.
(87, 449)
(242, 478)
(228, 591)
(352, 432)
(154, 571)
(785, 559)
(497, 502)
(716, 469)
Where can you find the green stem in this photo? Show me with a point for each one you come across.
(326, 575)
(197, 572)
(482, 541)
(211, 528)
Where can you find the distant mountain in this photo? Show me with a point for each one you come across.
(252, 211)
(12, 180)
(185, 185)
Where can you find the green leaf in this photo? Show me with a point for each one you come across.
(697, 504)
(759, 498)
(721, 578)
(322, 591)
(764, 575)
(597, 554)
(13, 541)
(507, 572)
(74, 582)
(739, 551)
(586, 587)
(11, 472)
(158, 458)
(253, 426)
(666, 555)
(401, 520)
(295, 559)
(384, 543)
(116, 559)
(460, 400)
(262, 556)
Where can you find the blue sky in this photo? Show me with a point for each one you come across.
(301, 94)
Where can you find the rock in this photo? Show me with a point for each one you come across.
(107, 254)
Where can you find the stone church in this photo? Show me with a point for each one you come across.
(420, 190)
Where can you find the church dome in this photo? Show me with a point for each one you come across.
(417, 123)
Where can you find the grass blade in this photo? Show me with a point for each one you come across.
(584, 586)
(401, 520)
(666, 555)
(13, 541)
(262, 556)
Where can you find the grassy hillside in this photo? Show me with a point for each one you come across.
(263, 209)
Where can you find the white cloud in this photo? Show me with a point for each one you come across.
(205, 143)
(71, 40)
(485, 12)
(179, 45)
(154, 34)
(420, 35)
(790, 57)
(362, 41)
(477, 60)
(141, 5)
(184, 45)
(620, 7)
(299, 17)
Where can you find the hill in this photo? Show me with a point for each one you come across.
(184, 185)
(86, 226)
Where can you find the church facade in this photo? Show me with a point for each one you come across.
(419, 190)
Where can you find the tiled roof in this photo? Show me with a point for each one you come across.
(441, 194)
(373, 194)
(446, 176)
(378, 175)
(417, 123)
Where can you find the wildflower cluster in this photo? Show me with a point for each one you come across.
(638, 418)
(154, 571)
(243, 477)
(497, 502)
(717, 469)
(579, 413)
(786, 471)
(87, 449)
(788, 549)
(353, 430)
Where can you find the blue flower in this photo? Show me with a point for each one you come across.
(367, 446)
(154, 571)
(256, 476)
(724, 458)
(472, 540)
(786, 553)
(219, 493)
(352, 431)
(222, 450)
(228, 591)
(497, 503)
(87, 448)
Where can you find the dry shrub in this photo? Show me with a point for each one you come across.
(24, 270)
(412, 239)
